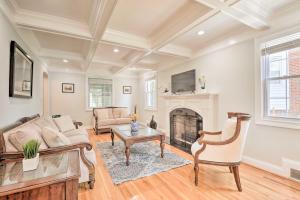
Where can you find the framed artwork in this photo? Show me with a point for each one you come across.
(20, 72)
(67, 88)
(127, 90)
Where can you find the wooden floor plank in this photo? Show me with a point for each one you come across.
(215, 183)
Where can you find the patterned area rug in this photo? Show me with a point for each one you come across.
(144, 160)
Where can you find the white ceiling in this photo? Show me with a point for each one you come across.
(147, 34)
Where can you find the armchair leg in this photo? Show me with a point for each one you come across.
(196, 169)
(230, 169)
(236, 174)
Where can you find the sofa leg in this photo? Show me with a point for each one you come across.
(196, 169)
(91, 184)
(91, 181)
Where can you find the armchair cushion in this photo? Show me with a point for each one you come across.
(54, 138)
(21, 137)
(229, 128)
(64, 123)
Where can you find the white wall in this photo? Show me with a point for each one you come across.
(12, 109)
(74, 104)
(230, 73)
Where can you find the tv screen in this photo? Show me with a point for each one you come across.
(184, 82)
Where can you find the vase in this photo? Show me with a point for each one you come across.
(134, 126)
(153, 123)
(31, 164)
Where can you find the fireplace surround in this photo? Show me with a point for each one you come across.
(184, 126)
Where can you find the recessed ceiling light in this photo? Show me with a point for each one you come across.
(65, 61)
(201, 32)
(231, 42)
(116, 50)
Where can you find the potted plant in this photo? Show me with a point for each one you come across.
(31, 155)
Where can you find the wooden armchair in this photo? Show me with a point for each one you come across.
(227, 149)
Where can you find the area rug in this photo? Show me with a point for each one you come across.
(144, 160)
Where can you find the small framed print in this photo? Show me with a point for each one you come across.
(26, 86)
(67, 88)
(127, 90)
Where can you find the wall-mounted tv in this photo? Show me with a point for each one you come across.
(184, 82)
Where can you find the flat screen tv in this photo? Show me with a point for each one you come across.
(184, 82)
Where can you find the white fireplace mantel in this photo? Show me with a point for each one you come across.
(205, 104)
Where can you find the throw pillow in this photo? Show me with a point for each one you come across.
(54, 138)
(64, 123)
(21, 137)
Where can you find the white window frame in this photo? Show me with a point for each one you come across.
(154, 107)
(260, 119)
(87, 90)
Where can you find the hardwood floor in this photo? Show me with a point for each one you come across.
(214, 183)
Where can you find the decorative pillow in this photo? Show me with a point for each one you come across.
(54, 138)
(21, 137)
(64, 123)
(104, 113)
(43, 122)
(120, 112)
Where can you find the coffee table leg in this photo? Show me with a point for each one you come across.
(162, 145)
(127, 153)
(112, 135)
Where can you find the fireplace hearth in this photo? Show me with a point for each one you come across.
(184, 126)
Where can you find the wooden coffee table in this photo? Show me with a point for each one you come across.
(143, 135)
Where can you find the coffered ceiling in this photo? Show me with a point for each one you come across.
(136, 36)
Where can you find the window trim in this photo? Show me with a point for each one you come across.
(260, 119)
(150, 108)
(87, 108)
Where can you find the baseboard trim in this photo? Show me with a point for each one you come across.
(265, 166)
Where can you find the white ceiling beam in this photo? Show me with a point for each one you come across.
(104, 11)
(175, 50)
(251, 20)
(58, 54)
(182, 23)
(125, 39)
(106, 62)
(53, 24)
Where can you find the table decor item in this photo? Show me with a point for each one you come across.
(153, 123)
(202, 82)
(134, 125)
(31, 155)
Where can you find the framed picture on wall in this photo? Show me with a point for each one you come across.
(67, 88)
(127, 90)
(20, 73)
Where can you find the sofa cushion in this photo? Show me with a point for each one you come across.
(54, 138)
(76, 139)
(21, 137)
(123, 120)
(107, 122)
(120, 112)
(79, 131)
(104, 113)
(64, 123)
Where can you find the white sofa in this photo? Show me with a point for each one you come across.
(78, 139)
(103, 118)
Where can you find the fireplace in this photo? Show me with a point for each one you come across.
(184, 126)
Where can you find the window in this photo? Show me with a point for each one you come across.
(281, 77)
(99, 92)
(150, 91)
